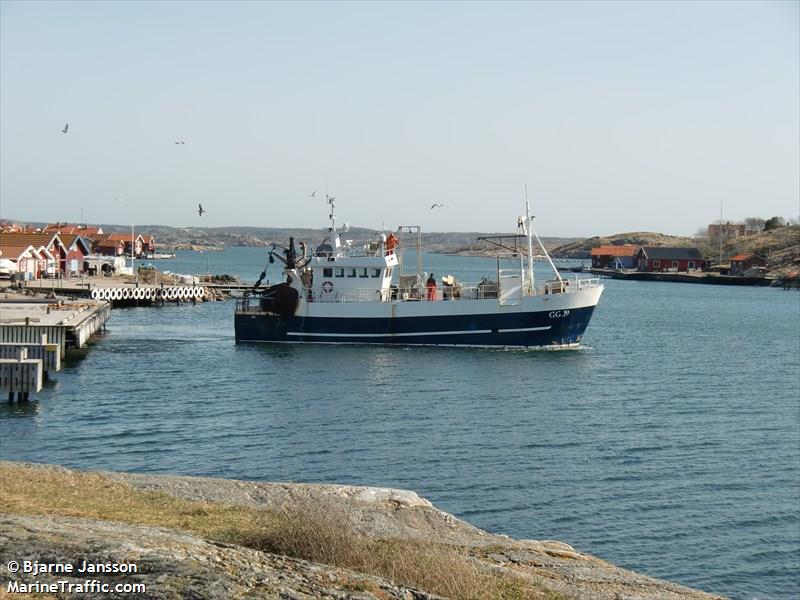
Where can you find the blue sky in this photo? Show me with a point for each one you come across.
(619, 116)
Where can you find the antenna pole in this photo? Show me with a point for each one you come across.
(332, 215)
(720, 232)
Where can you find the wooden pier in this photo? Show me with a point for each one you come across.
(683, 277)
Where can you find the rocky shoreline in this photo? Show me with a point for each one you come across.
(188, 561)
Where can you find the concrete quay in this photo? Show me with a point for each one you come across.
(35, 334)
(683, 277)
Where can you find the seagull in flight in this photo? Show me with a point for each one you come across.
(66, 128)
(200, 210)
(313, 194)
(180, 142)
(437, 206)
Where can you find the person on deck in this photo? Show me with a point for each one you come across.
(431, 286)
(391, 242)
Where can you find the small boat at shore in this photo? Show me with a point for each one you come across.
(376, 293)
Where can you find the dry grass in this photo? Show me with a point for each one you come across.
(323, 534)
(320, 534)
(34, 491)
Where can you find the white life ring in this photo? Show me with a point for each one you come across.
(95, 294)
(327, 287)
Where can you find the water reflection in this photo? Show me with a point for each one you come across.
(15, 410)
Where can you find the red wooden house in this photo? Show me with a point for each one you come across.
(655, 259)
(72, 229)
(78, 248)
(744, 262)
(614, 257)
(51, 249)
(114, 244)
(25, 259)
(108, 247)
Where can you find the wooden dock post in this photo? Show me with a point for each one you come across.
(49, 354)
(20, 375)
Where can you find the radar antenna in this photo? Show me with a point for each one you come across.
(332, 216)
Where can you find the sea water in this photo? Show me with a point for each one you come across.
(670, 444)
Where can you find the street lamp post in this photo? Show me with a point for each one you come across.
(133, 254)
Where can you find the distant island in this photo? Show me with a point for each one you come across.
(780, 246)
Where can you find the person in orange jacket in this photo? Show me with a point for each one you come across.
(431, 286)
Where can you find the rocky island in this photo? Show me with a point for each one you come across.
(201, 538)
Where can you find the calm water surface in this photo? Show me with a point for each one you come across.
(669, 445)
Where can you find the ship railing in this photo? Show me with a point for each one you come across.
(569, 285)
(477, 291)
(482, 290)
(243, 304)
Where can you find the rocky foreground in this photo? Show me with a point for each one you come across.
(223, 539)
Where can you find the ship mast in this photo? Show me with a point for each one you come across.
(532, 232)
(528, 230)
(332, 216)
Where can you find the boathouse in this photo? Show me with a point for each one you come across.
(614, 257)
(741, 263)
(49, 246)
(115, 244)
(85, 231)
(107, 246)
(25, 259)
(657, 259)
(78, 248)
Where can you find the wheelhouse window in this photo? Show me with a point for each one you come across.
(327, 272)
(376, 272)
(363, 272)
(339, 271)
(351, 272)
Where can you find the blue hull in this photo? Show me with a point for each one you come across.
(531, 329)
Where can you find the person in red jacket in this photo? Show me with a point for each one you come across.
(431, 286)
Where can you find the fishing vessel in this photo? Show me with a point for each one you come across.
(376, 292)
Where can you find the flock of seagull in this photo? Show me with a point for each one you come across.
(201, 210)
